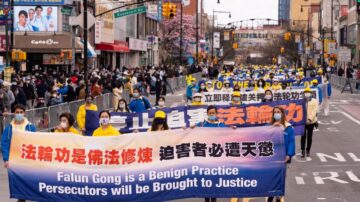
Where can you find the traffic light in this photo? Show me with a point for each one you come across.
(235, 46)
(165, 10)
(18, 55)
(282, 50)
(287, 36)
(172, 10)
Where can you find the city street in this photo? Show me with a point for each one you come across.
(332, 172)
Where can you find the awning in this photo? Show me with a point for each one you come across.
(112, 47)
(80, 45)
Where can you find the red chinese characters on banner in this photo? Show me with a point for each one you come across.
(84, 157)
(254, 115)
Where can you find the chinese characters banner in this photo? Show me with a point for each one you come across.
(225, 98)
(185, 116)
(218, 84)
(156, 166)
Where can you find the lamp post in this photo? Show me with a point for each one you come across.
(213, 27)
(308, 29)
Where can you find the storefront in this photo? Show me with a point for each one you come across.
(138, 52)
(112, 55)
(45, 51)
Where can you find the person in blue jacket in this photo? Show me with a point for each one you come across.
(192, 88)
(139, 103)
(20, 122)
(212, 120)
(279, 120)
(315, 85)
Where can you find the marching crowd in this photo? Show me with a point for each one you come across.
(43, 89)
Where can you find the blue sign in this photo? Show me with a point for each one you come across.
(242, 116)
(38, 2)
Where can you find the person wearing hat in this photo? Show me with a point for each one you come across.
(227, 88)
(275, 84)
(192, 88)
(236, 98)
(315, 85)
(311, 114)
(105, 128)
(209, 86)
(20, 122)
(160, 122)
(197, 99)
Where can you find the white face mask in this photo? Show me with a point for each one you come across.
(307, 95)
(122, 105)
(268, 97)
(161, 103)
(197, 99)
(104, 121)
(236, 99)
(63, 125)
(202, 87)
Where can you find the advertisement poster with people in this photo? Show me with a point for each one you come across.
(36, 18)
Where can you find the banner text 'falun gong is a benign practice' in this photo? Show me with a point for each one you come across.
(156, 166)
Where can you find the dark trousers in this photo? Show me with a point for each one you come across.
(271, 199)
(210, 199)
(306, 139)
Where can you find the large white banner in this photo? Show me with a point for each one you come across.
(251, 97)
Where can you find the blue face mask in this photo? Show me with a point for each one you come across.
(212, 118)
(136, 94)
(19, 117)
(277, 116)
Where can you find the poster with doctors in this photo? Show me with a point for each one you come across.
(36, 18)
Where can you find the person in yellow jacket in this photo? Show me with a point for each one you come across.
(311, 122)
(105, 129)
(197, 100)
(236, 99)
(159, 123)
(81, 115)
(66, 124)
(276, 84)
(189, 78)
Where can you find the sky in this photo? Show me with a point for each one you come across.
(242, 9)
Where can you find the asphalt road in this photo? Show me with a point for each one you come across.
(331, 174)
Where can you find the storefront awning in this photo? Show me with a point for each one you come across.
(112, 47)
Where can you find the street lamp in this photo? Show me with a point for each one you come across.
(213, 25)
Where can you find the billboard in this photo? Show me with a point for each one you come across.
(36, 18)
(38, 2)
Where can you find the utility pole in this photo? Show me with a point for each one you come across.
(181, 31)
(332, 20)
(12, 29)
(85, 4)
(212, 37)
(197, 33)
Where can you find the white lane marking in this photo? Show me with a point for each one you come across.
(350, 117)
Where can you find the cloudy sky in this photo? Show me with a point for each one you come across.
(242, 9)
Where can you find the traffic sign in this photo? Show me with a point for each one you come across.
(79, 20)
(344, 54)
(134, 11)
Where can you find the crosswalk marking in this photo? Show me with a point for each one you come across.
(251, 199)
